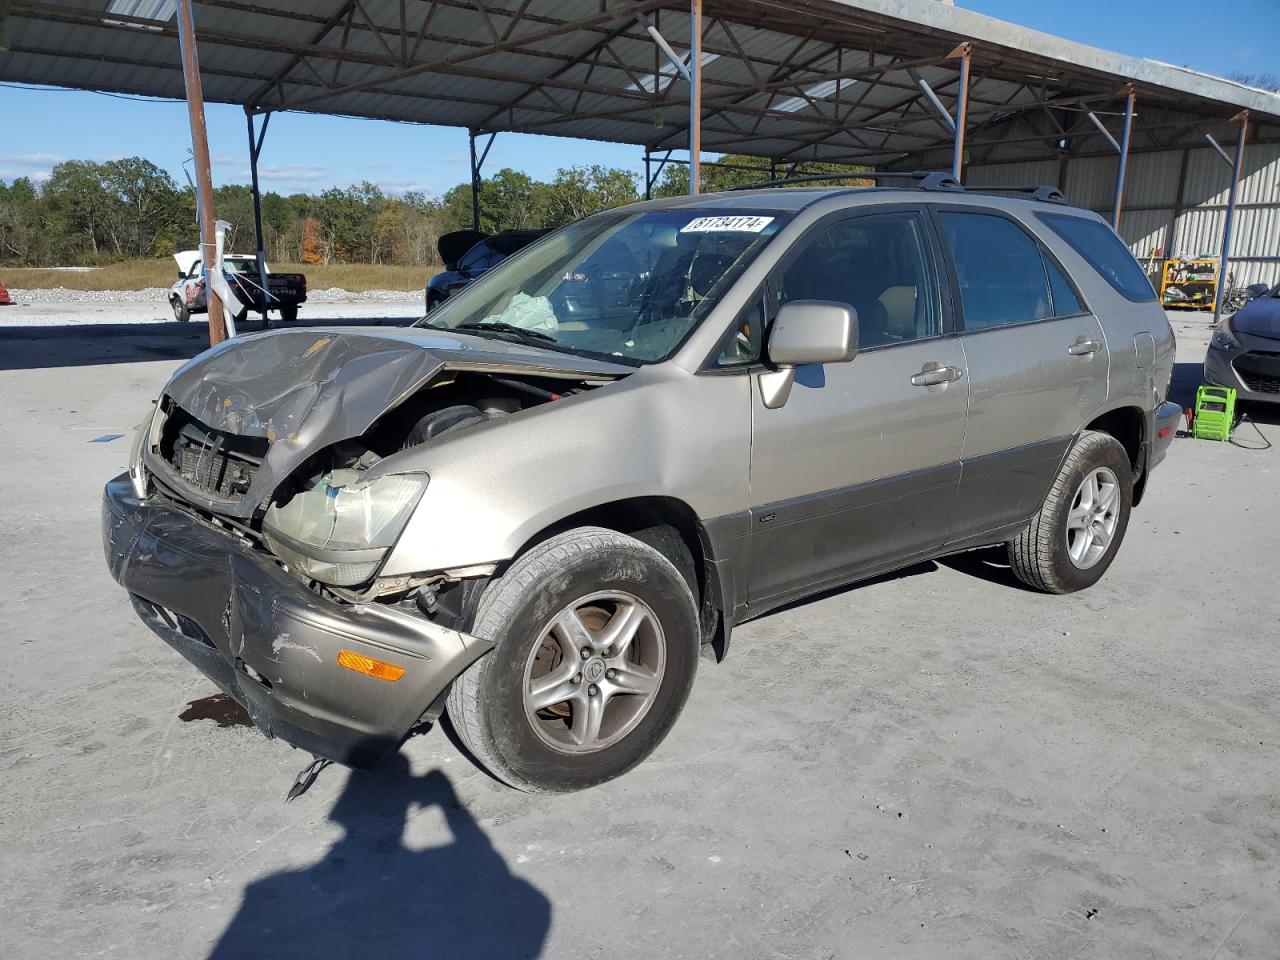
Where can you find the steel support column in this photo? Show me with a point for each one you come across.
(1123, 170)
(1236, 168)
(255, 150)
(475, 184)
(648, 178)
(695, 96)
(477, 163)
(965, 50)
(204, 173)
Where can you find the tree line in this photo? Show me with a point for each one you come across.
(89, 213)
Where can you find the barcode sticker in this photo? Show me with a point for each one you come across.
(726, 225)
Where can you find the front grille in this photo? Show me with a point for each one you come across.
(221, 464)
(1260, 371)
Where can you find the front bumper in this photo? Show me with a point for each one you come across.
(1257, 378)
(269, 642)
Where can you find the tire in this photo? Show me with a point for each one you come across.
(1044, 554)
(539, 751)
(180, 311)
(433, 300)
(289, 314)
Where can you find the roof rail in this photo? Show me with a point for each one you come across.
(926, 180)
(1042, 193)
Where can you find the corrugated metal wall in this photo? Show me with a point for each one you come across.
(1151, 202)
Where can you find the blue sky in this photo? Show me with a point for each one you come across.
(310, 153)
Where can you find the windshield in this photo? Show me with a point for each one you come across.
(629, 286)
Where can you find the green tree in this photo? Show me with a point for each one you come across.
(23, 237)
(77, 205)
(579, 191)
(675, 178)
(143, 205)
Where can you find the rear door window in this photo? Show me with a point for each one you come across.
(999, 269)
(1066, 303)
(1105, 252)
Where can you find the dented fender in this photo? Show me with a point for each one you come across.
(495, 486)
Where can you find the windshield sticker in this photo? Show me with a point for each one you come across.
(726, 225)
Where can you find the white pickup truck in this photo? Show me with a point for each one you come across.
(282, 291)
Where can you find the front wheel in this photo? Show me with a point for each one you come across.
(1071, 542)
(180, 311)
(596, 648)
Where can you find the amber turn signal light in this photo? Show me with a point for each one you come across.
(369, 666)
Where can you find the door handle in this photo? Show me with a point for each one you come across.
(1084, 347)
(932, 376)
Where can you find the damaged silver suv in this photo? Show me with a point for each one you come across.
(534, 507)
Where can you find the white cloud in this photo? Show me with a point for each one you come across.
(13, 173)
(36, 166)
(31, 159)
(401, 187)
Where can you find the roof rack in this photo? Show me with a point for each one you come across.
(1043, 193)
(927, 180)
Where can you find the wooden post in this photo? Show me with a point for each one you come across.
(204, 172)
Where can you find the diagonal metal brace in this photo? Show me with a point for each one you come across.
(1093, 118)
(1226, 157)
(943, 113)
(677, 61)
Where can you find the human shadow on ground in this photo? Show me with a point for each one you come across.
(92, 344)
(371, 896)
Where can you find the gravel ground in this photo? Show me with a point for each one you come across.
(932, 765)
(56, 308)
(160, 295)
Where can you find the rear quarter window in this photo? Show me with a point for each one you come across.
(1105, 252)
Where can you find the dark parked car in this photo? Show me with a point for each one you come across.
(468, 254)
(1244, 352)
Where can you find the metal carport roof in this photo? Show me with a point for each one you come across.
(832, 80)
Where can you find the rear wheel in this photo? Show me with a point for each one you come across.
(597, 646)
(289, 314)
(180, 311)
(1071, 542)
(433, 300)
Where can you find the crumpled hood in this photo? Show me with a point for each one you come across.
(304, 390)
(1259, 318)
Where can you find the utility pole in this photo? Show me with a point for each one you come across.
(204, 174)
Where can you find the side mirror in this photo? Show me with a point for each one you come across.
(806, 332)
(1256, 290)
(813, 331)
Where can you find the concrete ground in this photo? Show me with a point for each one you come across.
(938, 764)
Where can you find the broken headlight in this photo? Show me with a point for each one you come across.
(141, 437)
(339, 530)
(1224, 337)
